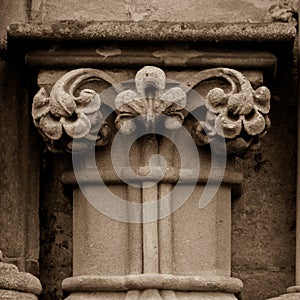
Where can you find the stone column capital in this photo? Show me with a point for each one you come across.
(231, 108)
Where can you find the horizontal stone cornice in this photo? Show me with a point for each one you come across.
(153, 31)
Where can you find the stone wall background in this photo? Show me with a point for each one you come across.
(151, 10)
(263, 229)
(263, 218)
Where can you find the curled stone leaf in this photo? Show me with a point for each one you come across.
(262, 99)
(96, 120)
(240, 104)
(89, 102)
(282, 13)
(217, 100)
(85, 96)
(78, 128)
(254, 124)
(40, 106)
(228, 127)
(51, 127)
(62, 105)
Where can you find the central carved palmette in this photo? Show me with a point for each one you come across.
(150, 100)
(71, 113)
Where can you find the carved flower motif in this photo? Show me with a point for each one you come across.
(149, 100)
(62, 116)
(75, 117)
(245, 109)
(239, 116)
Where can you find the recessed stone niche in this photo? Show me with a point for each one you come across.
(187, 102)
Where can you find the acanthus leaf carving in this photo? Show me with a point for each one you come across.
(62, 116)
(240, 116)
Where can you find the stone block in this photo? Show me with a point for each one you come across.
(138, 10)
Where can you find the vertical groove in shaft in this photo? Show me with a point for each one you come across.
(135, 230)
(149, 194)
(135, 235)
(165, 231)
(165, 235)
(150, 236)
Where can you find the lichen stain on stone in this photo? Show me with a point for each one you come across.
(70, 26)
(108, 51)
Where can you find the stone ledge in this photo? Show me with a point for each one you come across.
(153, 31)
(87, 283)
(158, 56)
(172, 175)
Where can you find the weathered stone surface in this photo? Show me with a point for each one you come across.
(293, 293)
(11, 11)
(124, 10)
(152, 31)
(263, 229)
(19, 174)
(12, 279)
(153, 295)
(56, 226)
(13, 295)
(263, 284)
(205, 283)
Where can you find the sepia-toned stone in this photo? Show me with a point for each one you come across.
(17, 285)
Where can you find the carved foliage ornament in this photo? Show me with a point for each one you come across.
(239, 116)
(62, 116)
(283, 12)
(150, 99)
